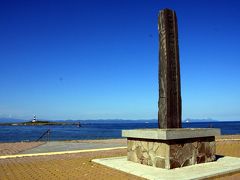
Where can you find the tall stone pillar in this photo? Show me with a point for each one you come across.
(170, 146)
(169, 103)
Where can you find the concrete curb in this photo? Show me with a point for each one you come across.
(61, 152)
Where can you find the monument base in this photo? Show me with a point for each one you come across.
(171, 148)
(223, 166)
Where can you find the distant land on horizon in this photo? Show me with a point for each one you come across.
(188, 120)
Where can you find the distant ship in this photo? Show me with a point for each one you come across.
(79, 124)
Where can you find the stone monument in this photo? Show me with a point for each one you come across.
(170, 146)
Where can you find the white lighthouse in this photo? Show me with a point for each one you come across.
(34, 119)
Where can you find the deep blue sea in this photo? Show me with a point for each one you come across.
(96, 130)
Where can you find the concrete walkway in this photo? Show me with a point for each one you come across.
(70, 147)
(58, 146)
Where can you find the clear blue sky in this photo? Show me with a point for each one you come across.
(99, 59)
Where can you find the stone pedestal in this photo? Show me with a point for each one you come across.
(171, 148)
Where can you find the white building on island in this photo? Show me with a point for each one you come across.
(34, 119)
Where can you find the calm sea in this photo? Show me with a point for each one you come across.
(96, 131)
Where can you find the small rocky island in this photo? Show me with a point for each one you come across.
(39, 122)
(35, 122)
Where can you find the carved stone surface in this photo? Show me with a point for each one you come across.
(171, 154)
(169, 104)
